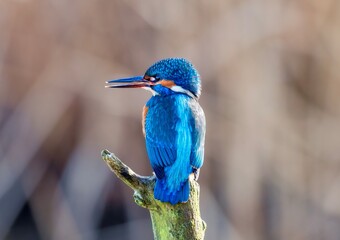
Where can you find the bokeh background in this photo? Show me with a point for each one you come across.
(271, 93)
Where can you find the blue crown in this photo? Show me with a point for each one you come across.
(178, 70)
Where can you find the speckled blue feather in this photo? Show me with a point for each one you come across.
(174, 132)
(179, 70)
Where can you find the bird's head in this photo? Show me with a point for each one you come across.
(165, 77)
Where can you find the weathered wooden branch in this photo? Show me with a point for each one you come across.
(180, 221)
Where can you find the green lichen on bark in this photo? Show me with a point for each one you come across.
(180, 221)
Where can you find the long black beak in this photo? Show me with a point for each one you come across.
(130, 82)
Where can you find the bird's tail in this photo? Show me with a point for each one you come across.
(162, 193)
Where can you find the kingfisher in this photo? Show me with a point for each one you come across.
(173, 125)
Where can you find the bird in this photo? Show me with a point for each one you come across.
(173, 125)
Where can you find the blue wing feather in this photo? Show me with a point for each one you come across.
(174, 142)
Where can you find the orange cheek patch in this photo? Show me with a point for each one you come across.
(145, 112)
(167, 83)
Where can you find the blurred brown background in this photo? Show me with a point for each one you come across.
(271, 94)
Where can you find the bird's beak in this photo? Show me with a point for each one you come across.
(131, 82)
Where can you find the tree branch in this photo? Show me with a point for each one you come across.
(180, 221)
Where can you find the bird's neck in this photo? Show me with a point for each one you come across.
(169, 99)
(174, 90)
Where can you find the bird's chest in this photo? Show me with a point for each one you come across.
(161, 115)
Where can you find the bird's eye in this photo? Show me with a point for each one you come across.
(154, 79)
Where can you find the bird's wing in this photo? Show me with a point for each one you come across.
(187, 138)
(160, 136)
(197, 119)
(168, 141)
(160, 157)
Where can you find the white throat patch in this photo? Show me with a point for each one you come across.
(154, 93)
(178, 89)
(182, 90)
